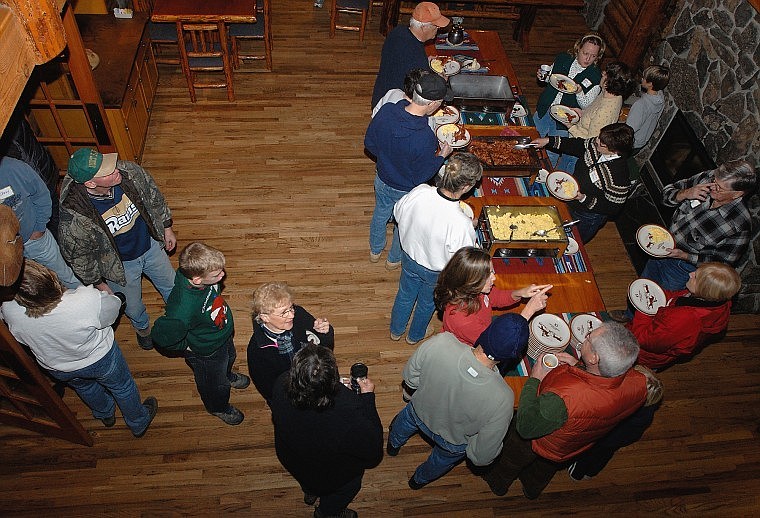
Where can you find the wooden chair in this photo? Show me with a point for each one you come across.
(349, 7)
(163, 38)
(205, 51)
(261, 30)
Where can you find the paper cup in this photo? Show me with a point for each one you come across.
(544, 72)
(550, 360)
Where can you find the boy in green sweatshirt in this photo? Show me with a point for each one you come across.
(199, 322)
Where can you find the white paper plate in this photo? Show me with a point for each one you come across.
(563, 114)
(518, 110)
(446, 133)
(655, 240)
(466, 209)
(445, 65)
(581, 325)
(563, 83)
(446, 115)
(572, 246)
(548, 333)
(646, 296)
(557, 181)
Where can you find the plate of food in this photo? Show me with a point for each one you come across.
(445, 65)
(655, 240)
(561, 185)
(582, 324)
(563, 83)
(548, 333)
(466, 209)
(454, 135)
(646, 296)
(518, 110)
(446, 115)
(564, 114)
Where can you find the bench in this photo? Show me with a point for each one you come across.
(522, 12)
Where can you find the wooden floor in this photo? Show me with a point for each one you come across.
(278, 181)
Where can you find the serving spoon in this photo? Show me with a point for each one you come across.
(543, 232)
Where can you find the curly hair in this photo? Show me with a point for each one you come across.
(619, 81)
(40, 291)
(462, 279)
(313, 380)
(270, 295)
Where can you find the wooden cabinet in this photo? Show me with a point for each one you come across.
(126, 77)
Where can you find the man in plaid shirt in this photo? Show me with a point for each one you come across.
(711, 223)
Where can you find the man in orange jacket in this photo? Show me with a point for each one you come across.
(565, 410)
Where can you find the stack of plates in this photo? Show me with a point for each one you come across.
(580, 326)
(548, 334)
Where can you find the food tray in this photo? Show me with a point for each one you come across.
(532, 246)
(499, 159)
(482, 93)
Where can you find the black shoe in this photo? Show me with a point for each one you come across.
(389, 448)
(232, 416)
(498, 485)
(413, 484)
(343, 513)
(145, 342)
(108, 422)
(574, 473)
(309, 499)
(241, 381)
(152, 405)
(619, 315)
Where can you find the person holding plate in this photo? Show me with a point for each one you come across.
(690, 319)
(581, 65)
(466, 295)
(602, 175)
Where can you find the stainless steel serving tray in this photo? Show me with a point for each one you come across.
(482, 92)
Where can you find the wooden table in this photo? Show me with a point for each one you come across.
(214, 11)
(573, 292)
(523, 13)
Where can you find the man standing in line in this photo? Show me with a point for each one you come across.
(563, 411)
(404, 48)
(115, 225)
(460, 402)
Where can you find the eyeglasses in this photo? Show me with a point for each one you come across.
(285, 312)
(719, 188)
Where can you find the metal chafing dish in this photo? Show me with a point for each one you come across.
(530, 246)
(482, 93)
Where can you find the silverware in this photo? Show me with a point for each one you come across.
(542, 232)
(525, 146)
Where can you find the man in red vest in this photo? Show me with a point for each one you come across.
(565, 410)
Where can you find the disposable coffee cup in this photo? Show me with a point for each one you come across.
(544, 72)
(550, 360)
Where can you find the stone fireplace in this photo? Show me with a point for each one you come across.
(713, 50)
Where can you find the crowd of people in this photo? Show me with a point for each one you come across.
(116, 226)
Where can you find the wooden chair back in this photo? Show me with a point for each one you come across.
(204, 50)
(261, 30)
(341, 8)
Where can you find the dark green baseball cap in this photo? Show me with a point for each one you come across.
(87, 163)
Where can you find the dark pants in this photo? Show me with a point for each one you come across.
(589, 224)
(334, 502)
(213, 374)
(519, 461)
(627, 432)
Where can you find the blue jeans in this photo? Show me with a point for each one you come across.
(547, 127)
(46, 252)
(385, 198)
(416, 284)
(213, 374)
(156, 266)
(105, 384)
(444, 455)
(589, 224)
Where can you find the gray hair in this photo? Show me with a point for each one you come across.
(616, 348)
(462, 169)
(739, 173)
(416, 24)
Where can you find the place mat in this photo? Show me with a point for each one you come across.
(483, 118)
(511, 186)
(467, 44)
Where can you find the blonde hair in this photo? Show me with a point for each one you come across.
(658, 75)
(270, 295)
(198, 259)
(716, 281)
(40, 290)
(590, 37)
(654, 385)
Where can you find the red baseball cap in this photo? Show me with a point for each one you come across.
(428, 12)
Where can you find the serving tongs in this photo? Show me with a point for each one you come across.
(543, 232)
(525, 143)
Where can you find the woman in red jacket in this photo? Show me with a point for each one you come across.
(466, 295)
(690, 318)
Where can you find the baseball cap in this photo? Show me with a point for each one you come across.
(431, 87)
(505, 338)
(87, 163)
(428, 12)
